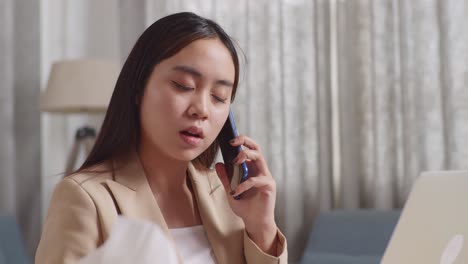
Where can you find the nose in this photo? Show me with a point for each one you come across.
(199, 107)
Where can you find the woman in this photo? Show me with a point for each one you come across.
(153, 155)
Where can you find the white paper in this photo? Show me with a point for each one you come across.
(134, 241)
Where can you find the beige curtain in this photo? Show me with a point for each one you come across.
(350, 100)
(402, 75)
(71, 30)
(19, 116)
(284, 98)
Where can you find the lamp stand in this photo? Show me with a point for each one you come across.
(84, 138)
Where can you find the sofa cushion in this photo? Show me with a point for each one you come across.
(353, 232)
(11, 243)
(324, 258)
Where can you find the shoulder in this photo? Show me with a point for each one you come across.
(90, 179)
(94, 175)
(84, 197)
(87, 190)
(80, 189)
(73, 226)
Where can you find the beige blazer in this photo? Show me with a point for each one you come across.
(84, 207)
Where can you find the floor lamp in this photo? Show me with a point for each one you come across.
(79, 86)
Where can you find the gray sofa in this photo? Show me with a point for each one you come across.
(11, 244)
(350, 236)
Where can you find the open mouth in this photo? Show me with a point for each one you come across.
(193, 131)
(191, 134)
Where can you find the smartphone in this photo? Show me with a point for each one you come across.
(236, 173)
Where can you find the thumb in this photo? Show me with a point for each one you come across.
(222, 174)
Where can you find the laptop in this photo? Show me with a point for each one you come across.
(433, 226)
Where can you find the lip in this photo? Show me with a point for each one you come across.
(194, 130)
(192, 140)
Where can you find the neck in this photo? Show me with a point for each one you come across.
(164, 174)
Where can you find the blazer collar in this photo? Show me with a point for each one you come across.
(221, 224)
(132, 191)
(135, 199)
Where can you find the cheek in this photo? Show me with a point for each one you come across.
(219, 118)
(164, 105)
(154, 111)
(175, 105)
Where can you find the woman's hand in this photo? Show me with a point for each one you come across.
(257, 204)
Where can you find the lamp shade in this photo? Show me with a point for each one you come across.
(76, 86)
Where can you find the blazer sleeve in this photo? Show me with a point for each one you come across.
(253, 254)
(71, 229)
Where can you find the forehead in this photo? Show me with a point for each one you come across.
(208, 56)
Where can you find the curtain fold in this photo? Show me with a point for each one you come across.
(400, 63)
(19, 117)
(7, 135)
(283, 100)
(401, 71)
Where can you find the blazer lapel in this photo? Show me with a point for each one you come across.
(133, 194)
(223, 228)
(135, 199)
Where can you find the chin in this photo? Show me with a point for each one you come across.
(187, 155)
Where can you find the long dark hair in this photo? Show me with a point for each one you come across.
(120, 130)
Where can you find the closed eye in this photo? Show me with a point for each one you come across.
(219, 99)
(180, 86)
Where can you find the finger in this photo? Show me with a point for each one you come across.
(247, 155)
(256, 157)
(222, 174)
(265, 183)
(245, 141)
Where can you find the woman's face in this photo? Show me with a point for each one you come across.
(187, 100)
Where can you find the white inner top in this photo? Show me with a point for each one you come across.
(193, 245)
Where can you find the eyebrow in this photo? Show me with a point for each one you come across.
(198, 75)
